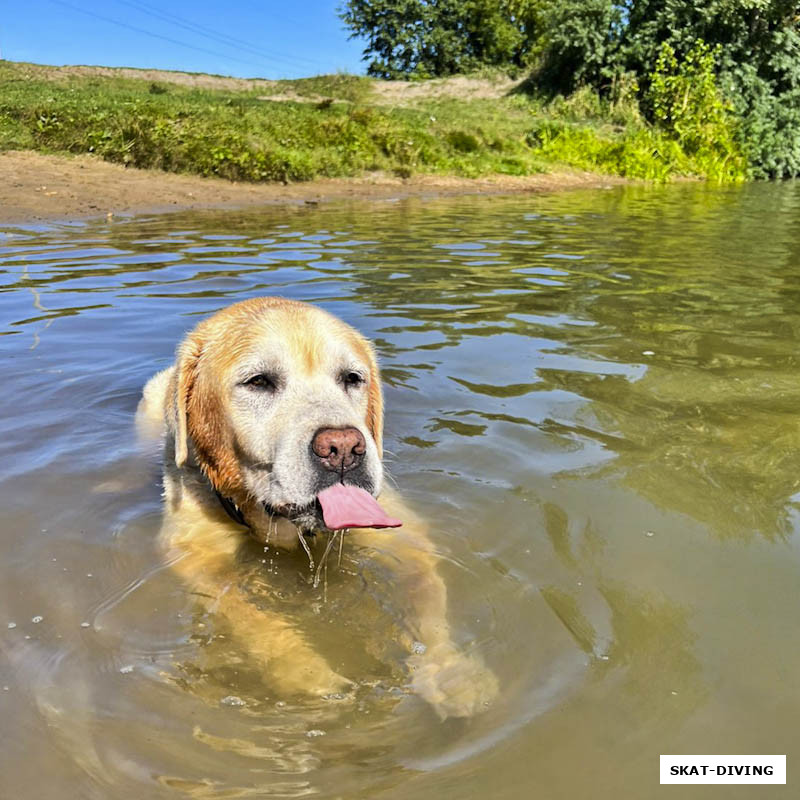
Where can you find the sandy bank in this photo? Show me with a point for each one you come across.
(37, 187)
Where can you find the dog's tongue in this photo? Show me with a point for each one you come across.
(350, 507)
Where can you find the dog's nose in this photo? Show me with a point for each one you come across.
(339, 449)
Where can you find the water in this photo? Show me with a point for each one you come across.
(593, 397)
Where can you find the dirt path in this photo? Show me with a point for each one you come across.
(458, 87)
(36, 187)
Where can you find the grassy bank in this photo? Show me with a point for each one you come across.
(330, 126)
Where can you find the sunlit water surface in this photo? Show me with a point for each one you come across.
(593, 397)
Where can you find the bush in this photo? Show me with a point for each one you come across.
(757, 47)
(645, 153)
(642, 154)
(687, 105)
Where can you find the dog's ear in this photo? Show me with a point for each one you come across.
(186, 374)
(200, 416)
(374, 399)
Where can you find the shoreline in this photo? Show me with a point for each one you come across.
(37, 187)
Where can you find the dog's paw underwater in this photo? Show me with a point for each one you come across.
(456, 684)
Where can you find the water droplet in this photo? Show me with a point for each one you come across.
(126, 670)
(37, 619)
(314, 733)
(12, 625)
(418, 648)
(232, 700)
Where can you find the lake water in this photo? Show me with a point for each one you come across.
(592, 396)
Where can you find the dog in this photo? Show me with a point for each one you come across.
(272, 417)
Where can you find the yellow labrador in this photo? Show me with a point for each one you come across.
(273, 415)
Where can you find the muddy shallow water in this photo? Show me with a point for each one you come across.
(592, 397)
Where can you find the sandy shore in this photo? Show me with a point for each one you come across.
(36, 187)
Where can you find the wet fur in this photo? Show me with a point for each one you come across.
(218, 437)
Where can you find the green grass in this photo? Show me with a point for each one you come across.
(241, 136)
(643, 153)
(350, 88)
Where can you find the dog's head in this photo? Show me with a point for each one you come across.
(275, 401)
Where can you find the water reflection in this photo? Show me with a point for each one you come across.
(591, 396)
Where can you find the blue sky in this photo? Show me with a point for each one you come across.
(238, 37)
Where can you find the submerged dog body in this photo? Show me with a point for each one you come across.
(270, 403)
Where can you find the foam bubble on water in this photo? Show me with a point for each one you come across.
(12, 625)
(38, 618)
(314, 732)
(418, 648)
(85, 624)
(232, 700)
(126, 670)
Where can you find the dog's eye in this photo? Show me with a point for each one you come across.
(351, 380)
(263, 383)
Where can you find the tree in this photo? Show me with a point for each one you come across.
(581, 41)
(435, 38)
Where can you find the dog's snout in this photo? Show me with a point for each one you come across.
(339, 449)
